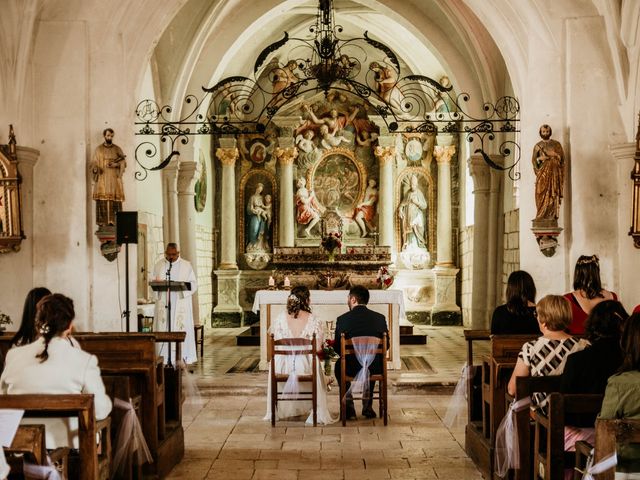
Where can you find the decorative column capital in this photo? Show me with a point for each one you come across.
(286, 156)
(187, 176)
(385, 154)
(480, 173)
(444, 154)
(27, 156)
(227, 156)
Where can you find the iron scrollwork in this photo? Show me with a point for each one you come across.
(325, 62)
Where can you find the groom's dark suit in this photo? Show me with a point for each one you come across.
(359, 322)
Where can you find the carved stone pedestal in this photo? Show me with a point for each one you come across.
(547, 233)
(445, 311)
(227, 313)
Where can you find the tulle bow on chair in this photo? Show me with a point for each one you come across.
(40, 472)
(600, 467)
(4, 467)
(291, 389)
(459, 398)
(365, 351)
(130, 440)
(507, 448)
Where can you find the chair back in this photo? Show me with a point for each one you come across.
(347, 348)
(304, 346)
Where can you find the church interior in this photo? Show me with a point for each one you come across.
(423, 149)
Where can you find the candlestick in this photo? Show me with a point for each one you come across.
(272, 282)
(287, 283)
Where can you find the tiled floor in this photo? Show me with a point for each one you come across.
(227, 438)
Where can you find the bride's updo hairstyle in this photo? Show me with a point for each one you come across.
(298, 300)
(54, 315)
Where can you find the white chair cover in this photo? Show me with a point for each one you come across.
(4, 466)
(507, 449)
(600, 467)
(189, 384)
(40, 472)
(458, 399)
(365, 354)
(130, 440)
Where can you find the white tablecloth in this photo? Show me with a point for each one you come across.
(330, 297)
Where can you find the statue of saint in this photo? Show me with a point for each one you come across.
(258, 221)
(548, 165)
(107, 168)
(413, 213)
(307, 208)
(366, 210)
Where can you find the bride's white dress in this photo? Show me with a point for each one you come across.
(303, 365)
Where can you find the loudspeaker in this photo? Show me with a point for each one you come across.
(127, 227)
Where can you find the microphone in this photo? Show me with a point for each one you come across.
(170, 266)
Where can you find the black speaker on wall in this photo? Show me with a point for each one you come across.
(126, 227)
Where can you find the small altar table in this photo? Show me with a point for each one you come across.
(327, 305)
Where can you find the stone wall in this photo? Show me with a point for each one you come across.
(511, 258)
(466, 272)
(204, 247)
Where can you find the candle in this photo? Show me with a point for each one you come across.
(287, 283)
(272, 282)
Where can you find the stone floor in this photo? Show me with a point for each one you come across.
(226, 437)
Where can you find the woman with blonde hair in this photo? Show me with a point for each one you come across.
(547, 355)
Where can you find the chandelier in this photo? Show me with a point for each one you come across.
(294, 68)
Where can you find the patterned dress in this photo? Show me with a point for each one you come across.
(546, 357)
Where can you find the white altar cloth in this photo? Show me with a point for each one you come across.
(327, 305)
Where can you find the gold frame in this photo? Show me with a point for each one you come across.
(311, 173)
(11, 231)
(431, 208)
(241, 215)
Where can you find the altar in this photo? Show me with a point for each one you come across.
(327, 305)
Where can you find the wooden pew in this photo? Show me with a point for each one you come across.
(609, 433)
(80, 406)
(29, 444)
(133, 355)
(548, 452)
(495, 373)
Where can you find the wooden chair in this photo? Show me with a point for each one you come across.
(76, 405)
(302, 346)
(549, 455)
(346, 348)
(198, 332)
(609, 433)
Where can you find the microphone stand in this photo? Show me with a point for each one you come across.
(168, 306)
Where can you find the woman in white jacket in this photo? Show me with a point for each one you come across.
(52, 365)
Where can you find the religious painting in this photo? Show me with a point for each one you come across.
(200, 198)
(413, 150)
(257, 149)
(257, 217)
(338, 181)
(10, 205)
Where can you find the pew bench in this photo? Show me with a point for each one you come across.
(91, 464)
(609, 434)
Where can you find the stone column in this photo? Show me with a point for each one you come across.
(228, 156)
(187, 176)
(228, 311)
(385, 155)
(170, 221)
(443, 156)
(445, 311)
(495, 241)
(286, 230)
(481, 181)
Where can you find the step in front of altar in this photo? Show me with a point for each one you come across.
(251, 336)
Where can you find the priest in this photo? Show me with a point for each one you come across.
(176, 269)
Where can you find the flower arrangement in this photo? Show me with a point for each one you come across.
(331, 242)
(384, 278)
(327, 353)
(4, 320)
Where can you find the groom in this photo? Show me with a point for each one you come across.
(359, 321)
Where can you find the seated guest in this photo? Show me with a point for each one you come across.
(27, 331)
(622, 395)
(588, 370)
(52, 365)
(517, 316)
(359, 321)
(548, 354)
(587, 292)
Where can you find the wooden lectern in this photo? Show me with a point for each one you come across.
(169, 286)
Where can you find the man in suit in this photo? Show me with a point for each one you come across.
(359, 321)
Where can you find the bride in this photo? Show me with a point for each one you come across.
(298, 322)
